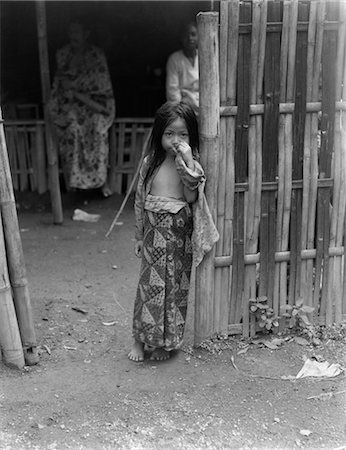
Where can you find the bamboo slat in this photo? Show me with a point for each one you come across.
(312, 269)
(270, 156)
(241, 147)
(209, 116)
(259, 19)
(231, 79)
(341, 231)
(305, 287)
(280, 294)
(327, 144)
(339, 191)
(221, 305)
(292, 13)
(298, 157)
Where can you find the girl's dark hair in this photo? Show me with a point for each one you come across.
(165, 115)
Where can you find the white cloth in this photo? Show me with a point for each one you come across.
(182, 75)
(205, 234)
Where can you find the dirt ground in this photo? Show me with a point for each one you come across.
(86, 394)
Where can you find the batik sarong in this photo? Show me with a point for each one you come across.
(163, 288)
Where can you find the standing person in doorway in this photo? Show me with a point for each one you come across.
(83, 109)
(168, 184)
(182, 79)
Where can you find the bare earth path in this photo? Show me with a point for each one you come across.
(86, 394)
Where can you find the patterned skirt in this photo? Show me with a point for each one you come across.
(163, 288)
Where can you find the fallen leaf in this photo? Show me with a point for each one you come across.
(277, 341)
(305, 432)
(301, 341)
(47, 349)
(270, 345)
(233, 363)
(108, 324)
(242, 351)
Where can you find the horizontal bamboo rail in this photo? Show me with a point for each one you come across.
(275, 27)
(273, 185)
(224, 261)
(284, 108)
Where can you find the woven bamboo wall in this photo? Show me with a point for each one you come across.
(281, 190)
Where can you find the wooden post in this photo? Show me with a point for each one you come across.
(41, 160)
(52, 156)
(209, 116)
(15, 258)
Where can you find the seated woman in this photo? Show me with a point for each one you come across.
(182, 78)
(82, 108)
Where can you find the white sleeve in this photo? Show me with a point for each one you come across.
(172, 80)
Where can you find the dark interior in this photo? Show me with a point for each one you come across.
(137, 37)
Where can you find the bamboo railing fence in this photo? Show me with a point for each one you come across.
(27, 151)
(281, 170)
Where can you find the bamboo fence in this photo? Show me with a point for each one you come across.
(281, 161)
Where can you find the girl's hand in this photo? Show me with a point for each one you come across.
(185, 151)
(138, 249)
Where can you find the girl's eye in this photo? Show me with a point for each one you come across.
(168, 133)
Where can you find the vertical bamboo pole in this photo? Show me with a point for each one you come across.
(286, 23)
(299, 116)
(339, 188)
(270, 156)
(231, 90)
(209, 115)
(221, 301)
(288, 147)
(241, 163)
(305, 287)
(311, 232)
(341, 230)
(327, 144)
(15, 258)
(10, 343)
(52, 156)
(258, 37)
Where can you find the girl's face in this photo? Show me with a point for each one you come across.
(175, 133)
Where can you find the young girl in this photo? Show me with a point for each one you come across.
(168, 182)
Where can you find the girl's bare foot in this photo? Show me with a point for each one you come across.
(137, 352)
(160, 354)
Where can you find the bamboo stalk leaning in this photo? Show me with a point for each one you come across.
(15, 257)
(10, 342)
